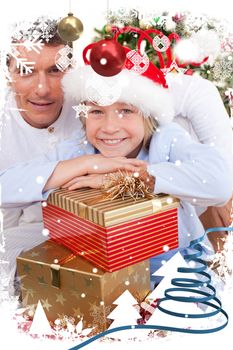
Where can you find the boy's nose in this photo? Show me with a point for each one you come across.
(111, 124)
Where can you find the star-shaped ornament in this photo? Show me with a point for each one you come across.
(81, 110)
(173, 68)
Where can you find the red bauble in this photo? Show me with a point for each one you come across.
(107, 57)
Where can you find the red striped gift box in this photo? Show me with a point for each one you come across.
(112, 234)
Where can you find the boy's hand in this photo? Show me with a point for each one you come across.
(92, 180)
(98, 164)
(97, 180)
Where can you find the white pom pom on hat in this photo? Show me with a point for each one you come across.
(128, 87)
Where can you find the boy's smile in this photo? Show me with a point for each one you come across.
(116, 130)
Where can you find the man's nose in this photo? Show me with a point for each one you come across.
(42, 85)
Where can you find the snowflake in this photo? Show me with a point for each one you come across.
(227, 43)
(223, 260)
(43, 27)
(47, 27)
(99, 314)
(223, 68)
(25, 67)
(29, 35)
(196, 23)
(121, 16)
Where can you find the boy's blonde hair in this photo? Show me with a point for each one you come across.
(150, 127)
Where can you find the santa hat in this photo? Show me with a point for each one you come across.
(150, 98)
(144, 88)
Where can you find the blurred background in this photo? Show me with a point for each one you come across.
(93, 14)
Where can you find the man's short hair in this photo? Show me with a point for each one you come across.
(42, 29)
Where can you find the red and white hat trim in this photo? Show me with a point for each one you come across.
(83, 84)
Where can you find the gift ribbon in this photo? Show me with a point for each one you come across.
(55, 269)
(184, 284)
(80, 206)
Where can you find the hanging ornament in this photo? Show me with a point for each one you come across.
(107, 57)
(70, 28)
(136, 62)
(108, 29)
(161, 43)
(64, 58)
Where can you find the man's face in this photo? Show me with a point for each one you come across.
(116, 130)
(38, 95)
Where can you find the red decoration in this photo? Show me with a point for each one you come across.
(189, 72)
(107, 57)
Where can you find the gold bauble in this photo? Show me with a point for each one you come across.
(144, 25)
(70, 28)
(108, 28)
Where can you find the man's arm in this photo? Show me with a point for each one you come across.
(198, 101)
(188, 170)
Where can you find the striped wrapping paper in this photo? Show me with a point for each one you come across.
(112, 234)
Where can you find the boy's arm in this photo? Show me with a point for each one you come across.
(32, 181)
(67, 170)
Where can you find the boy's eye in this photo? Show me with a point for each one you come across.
(124, 111)
(95, 111)
(127, 110)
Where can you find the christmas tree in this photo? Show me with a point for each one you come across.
(125, 312)
(217, 69)
(40, 324)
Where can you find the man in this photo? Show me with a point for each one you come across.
(35, 119)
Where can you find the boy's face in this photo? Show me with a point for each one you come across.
(116, 130)
(38, 95)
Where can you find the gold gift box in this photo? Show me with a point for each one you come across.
(70, 285)
(90, 204)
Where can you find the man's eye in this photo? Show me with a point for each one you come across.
(54, 70)
(23, 72)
